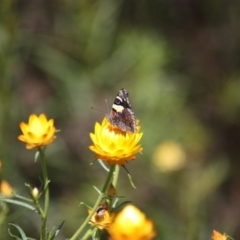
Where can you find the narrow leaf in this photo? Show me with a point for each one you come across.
(57, 231)
(16, 237)
(121, 205)
(131, 181)
(129, 177)
(36, 156)
(16, 202)
(103, 165)
(23, 235)
(97, 189)
(23, 198)
(83, 203)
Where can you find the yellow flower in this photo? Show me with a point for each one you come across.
(169, 156)
(113, 145)
(131, 224)
(218, 236)
(102, 218)
(37, 132)
(6, 189)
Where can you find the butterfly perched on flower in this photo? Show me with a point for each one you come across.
(121, 115)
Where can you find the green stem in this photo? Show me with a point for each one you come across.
(46, 193)
(99, 199)
(115, 176)
(37, 204)
(88, 233)
(98, 234)
(114, 183)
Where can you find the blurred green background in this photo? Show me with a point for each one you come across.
(179, 61)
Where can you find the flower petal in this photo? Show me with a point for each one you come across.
(132, 224)
(37, 132)
(113, 145)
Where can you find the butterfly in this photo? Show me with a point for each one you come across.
(121, 115)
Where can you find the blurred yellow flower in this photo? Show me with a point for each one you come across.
(169, 156)
(113, 145)
(131, 224)
(5, 189)
(37, 132)
(218, 236)
(102, 218)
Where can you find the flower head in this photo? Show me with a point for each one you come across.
(102, 218)
(113, 145)
(169, 156)
(37, 132)
(218, 236)
(131, 224)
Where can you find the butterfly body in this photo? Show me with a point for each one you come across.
(121, 115)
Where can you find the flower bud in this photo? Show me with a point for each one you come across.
(35, 192)
(111, 192)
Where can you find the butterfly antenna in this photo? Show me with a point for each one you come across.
(97, 109)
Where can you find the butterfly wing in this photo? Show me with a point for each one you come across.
(122, 115)
(125, 120)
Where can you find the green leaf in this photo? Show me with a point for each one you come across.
(115, 202)
(16, 202)
(129, 177)
(57, 231)
(99, 192)
(16, 237)
(121, 205)
(103, 165)
(23, 198)
(131, 181)
(83, 203)
(23, 235)
(36, 156)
